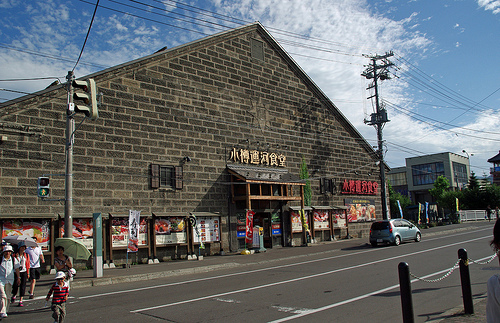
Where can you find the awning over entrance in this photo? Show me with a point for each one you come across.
(264, 175)
(266, 185)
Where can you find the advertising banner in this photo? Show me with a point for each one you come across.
(360, 210)
(170, 230)
(133, 231)
(83, 229)
(119, 232)
(241, 225)
(321, 219)
(249, 226)
(338, 219)
(276, 224)
(297, 222)
(35, 229)
(207, 229)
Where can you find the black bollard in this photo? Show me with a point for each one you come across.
(405, 290)
(465, 281)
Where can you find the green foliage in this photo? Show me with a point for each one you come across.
(473, 182)
(441, 184)
(393, 198)
(477, 197)
(304, 174)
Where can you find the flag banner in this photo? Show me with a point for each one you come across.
(249, 227)
(400, 210)
(427, 212)
(419, 210)
(456, 201)
(133, 231)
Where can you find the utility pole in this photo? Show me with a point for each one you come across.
(379, 118)
(70, 129)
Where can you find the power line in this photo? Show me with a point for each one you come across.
(409, 113)
(86, 37)
(41, 54)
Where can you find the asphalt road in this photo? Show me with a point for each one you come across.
(341, 282)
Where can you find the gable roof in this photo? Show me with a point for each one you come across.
(495, 159)
(200, 43)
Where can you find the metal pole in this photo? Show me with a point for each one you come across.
(70, 128)
(383, 193)
(405, 290)
(465, 281)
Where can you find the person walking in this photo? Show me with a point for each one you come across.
(36, 257)
(63, 263)
(488, 212)
(497, 212)
(9, 271)
(60, 289)
(24, 268)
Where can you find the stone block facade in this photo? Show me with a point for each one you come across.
(237, 89)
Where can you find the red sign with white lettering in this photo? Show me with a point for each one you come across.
(353, 186)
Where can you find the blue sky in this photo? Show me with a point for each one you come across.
(444, 96)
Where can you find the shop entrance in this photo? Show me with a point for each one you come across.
(263, 220)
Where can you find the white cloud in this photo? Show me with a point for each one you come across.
(493, 5)
(345, 29)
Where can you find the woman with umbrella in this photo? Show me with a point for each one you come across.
(24, 269)
(62, 262)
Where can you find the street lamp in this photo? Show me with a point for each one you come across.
(464, 151)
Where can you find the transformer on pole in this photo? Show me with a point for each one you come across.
(378, 70)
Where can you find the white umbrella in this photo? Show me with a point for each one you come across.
(15, 239)
(73, 248)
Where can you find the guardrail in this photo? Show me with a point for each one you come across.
(473, 215)
(463, 264)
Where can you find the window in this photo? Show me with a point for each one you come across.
(327, 185)
(166, 177)
(257, 49)
(427, 173)
(460, 171)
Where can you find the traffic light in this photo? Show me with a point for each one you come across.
(43, 187)
(89, 98)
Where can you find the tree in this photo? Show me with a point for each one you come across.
(473, 182)
(304, 174)
(441, 185)
(393, 198)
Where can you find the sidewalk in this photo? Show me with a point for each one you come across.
(84, 278)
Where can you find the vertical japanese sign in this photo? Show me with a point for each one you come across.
(249, 227)
(427, 212)
(133, 231)
(400, 210)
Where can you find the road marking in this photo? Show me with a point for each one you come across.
(354, 299)
(255, 270)
(309, 277)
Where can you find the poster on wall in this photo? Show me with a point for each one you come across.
(207, 229)
(83, 229)
(321, 219)
(360, 210)
(119, 232)
(240, 225)
(296, 223)
(37, 229)
(170, 230)
(338, 219)
(276, 224)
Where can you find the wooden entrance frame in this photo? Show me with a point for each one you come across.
(288, 190)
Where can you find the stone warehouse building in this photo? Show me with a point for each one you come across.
(212, 128)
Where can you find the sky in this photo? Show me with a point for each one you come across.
(443, 94)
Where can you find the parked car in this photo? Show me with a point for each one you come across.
(393, 231)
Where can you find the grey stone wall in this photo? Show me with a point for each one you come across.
(198, 100)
